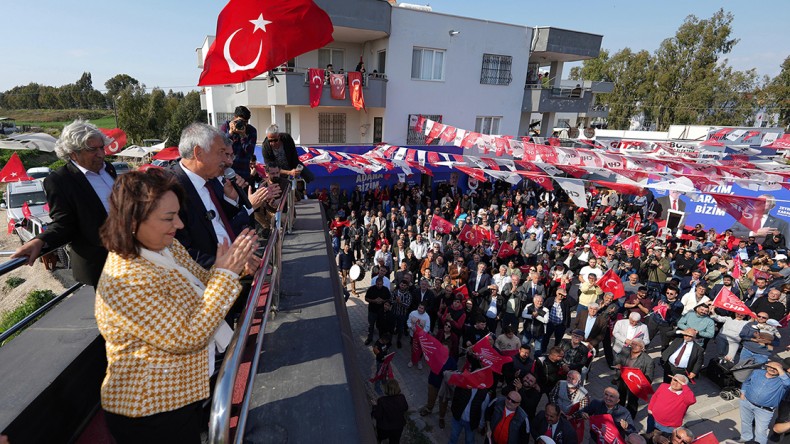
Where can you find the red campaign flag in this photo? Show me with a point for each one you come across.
(316, 85)
(457, 211)
(603, 426)
(506, 251)
(418, 127)
(303, 158)
(610, 282)
(750, 134)
(254, 37)
(436, 354)
(554, 226)
(338, 84)
(433, 158)
(708, 438)
(26, 210)
(784, 322)
(469, 140)
(470, 235)
(614, 239)
(330, 167)
(463, 291)
(13, 171)
(478, 379)
(441, 225)
(632, 243)
(727, 300)
(385, 371)
(355, 84)
(703, 268)
(11, 225)
(117, 140)
(435, 131)
(410, 155)
(636, 176)
(502, 146)
(736, 267)
(747, 210)
(637, 382)
(761, 274)
(553, 141)
(544, 181)
(661, 309)
(489, 356)
(597, 249)
(570, 244)
(490, 162)
(622, 188)
(420, 168)
(573, 171)
(448, 134)
(474, 172)
(609, 228)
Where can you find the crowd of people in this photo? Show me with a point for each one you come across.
(543, 304)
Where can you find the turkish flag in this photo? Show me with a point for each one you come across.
(747, 210)
(441, 225)
(489, 356)
(457, 211)
(570, 244)
(610, 282)
(436, 354)
(338, 84)
(117, 140)
(478, 379)
(632, 243)
(11, 225)
(703, 267)
(636, 381)
(603, 426)
(661, 309)
(736, 267)
(463, 291)
(597, 249)
(506, 251)
(632, 222)
(330, 167)
(470, 235)
(13, 171)
(727, 300)
(26, 210)
(355, 84)
(708, 438)
(316, 76)
(609, 228)
(385, 371)
(254, 37)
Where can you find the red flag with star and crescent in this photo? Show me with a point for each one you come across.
(11, 225)
(489, 356)
(632, 243)
(441, 225)
(727, 300)
(355, 85)
(457, 211)
(506, 251)
(610, 282)
(316, 76)
(636, 381)
(436, 354)
(117, 140)
(470, 235)
(478, 379)
(338, 86)
(254, 37)
(13, 171)
(463, 291)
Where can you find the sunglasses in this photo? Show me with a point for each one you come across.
(512, 400)
(274, 140)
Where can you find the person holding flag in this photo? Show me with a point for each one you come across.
(636, 359)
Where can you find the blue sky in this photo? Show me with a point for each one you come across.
(54, 42)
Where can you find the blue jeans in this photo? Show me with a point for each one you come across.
(754, 422)
(455, 431)
(758, 359)
(537, 348)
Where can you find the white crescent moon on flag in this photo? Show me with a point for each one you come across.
(610, 282)
(320, 80)
(112, 147)
(355, 82)
(232, 65)
(637, 378)
(338, 81)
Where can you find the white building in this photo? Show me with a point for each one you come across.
(470, 73)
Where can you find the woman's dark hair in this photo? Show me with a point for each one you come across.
(134, 197)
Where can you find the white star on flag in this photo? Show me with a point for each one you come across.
(260, 23)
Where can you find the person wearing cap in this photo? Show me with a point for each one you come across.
(761, 394)
(577, 355)
(757, 345)
(699, 319)
(551, 244)
(683, 356)
(636, 358)
(669, 405)
(626, 330)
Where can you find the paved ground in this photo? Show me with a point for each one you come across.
(710, 413)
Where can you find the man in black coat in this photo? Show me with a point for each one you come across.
(559, 317)
(280, 149)
(552, 424)
(78, 196)
(590, 320)
(683, 356)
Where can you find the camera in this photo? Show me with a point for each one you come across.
(240, 125)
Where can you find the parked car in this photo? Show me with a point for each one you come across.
(39, 173)
(31, 227)
(121, 167)
(19, 193)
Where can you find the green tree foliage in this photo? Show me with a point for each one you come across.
(777, 94)
(157, 112)
(119, 83)
(685, 81)
(188, 111)
(131, 104)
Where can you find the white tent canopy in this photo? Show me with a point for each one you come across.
(137, 151)
(29, 141)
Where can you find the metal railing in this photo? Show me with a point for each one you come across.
(222, 403)
(13, 264)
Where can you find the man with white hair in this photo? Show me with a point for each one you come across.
(626, 330)
(669, 404)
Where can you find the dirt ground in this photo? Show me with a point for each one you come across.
(36, 277)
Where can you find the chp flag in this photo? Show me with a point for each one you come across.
(479, 379)
(489, 356)
(436, 354)
(636, 382)
(748, 211)
(727, 300)
(574, 188)
(441, 225)
(385, 370)
(254, 37)
(604, 428)
(610, 282)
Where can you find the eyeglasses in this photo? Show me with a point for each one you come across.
(512, 400)
(762, 317)
(276, 139)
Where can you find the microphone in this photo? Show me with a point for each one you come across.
(231, 176)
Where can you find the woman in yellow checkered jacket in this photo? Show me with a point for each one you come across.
(159, 312)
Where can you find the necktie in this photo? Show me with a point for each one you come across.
(674, 204)
(221, 213)
(548, 432)
(680, 355)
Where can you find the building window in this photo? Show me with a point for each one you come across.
(418, 138)
(382, 61)
(427, 64)
(496, 70)
(331, 56)
(378, 129)
(288, 123)
(222, 118)
(331, 128)
(487, 124)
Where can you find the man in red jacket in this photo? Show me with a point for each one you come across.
(669, 404)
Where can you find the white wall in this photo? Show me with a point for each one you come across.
(460, 97)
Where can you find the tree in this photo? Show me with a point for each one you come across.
(157, 112)
(188, 112)
(131, 104)
(778, 94)
(119, 83)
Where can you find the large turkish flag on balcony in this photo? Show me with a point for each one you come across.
(338, 83)
(254, 36)
(355, 84)
(316, 85)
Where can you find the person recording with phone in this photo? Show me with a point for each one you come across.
(243, 137)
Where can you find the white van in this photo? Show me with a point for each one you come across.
(19, 193)
(38, 173)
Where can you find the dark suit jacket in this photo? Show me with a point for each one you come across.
(685, 285)
(695, 360)
(77, 213)
(563, 434)
(740, 230)
(431, 305)
(666, 206)
(291, 156)
(198, 235)
(485, 281)
(600, 327)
